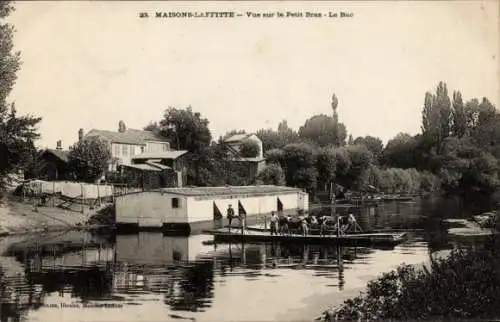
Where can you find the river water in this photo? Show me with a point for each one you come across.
(78, 276)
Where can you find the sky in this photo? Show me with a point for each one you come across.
(91, 64)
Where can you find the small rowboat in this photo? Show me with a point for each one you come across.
(262, 235)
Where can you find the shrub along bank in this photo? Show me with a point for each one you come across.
(464, 285)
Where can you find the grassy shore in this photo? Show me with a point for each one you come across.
(464, 285)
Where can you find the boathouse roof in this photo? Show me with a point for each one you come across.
(229, 190)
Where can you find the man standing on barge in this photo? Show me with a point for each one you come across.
(230, 215)
(274, 223)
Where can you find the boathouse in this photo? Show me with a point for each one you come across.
(197, 208)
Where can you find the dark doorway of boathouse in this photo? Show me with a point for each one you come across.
(218, 217)
(241, 209)
(242, 213)
(280, 205)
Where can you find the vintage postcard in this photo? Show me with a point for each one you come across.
(249, 160)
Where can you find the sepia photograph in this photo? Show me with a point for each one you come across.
(249, 161)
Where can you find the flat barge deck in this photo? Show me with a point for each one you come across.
(262, 235)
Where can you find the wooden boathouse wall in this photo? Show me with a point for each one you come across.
(195, 206)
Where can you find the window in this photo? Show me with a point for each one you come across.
(142, 149)
(124, 150)
(176, 203)
(117, 149)
(132, 150)
(165, 147)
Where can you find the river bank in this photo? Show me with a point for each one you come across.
(17, 218)
(462, 283)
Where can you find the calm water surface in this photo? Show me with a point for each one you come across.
(151, 277)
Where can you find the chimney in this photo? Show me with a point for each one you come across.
(80, 135)
(59, 145)
(121, 127)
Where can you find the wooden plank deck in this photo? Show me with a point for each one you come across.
(259, 235)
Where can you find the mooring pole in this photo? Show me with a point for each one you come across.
(338, 226)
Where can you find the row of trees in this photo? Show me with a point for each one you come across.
(17, 132)
(310, 158)
(457, 150)
(460, 142)
(353, 166)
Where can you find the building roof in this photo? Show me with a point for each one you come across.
(174, 154)
(244, 159)
(158, 165)
(142, 167)
(238, 137)
(230, 190)
(129, 136)
(60, 154)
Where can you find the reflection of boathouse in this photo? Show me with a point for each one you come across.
(197, 208)
(149, 248)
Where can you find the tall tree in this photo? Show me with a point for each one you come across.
(322, 130)
(299, 163)
(17, 133)
(471, 114)
(361, 158)
(325, 164)
(89, 159)
(187, 130)
(487, 131)
(443, 104)
(429, 127)
(373, 144)
(399, 151)
(459, 117)
(437, 115)
(277, 139)
(350, 141)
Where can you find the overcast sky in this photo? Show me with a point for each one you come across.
(90, 64)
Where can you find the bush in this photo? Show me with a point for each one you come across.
(89, 159)
(249, 149)
(466, 284)
(272, 174)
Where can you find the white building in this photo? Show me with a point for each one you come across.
(125, 143)
(198, 208)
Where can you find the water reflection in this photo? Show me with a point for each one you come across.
(191, 277)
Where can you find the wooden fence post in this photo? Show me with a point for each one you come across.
(83, 201)
(98, 195)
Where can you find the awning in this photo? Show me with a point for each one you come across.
(157, 165)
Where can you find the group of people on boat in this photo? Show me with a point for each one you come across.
(284, 224)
